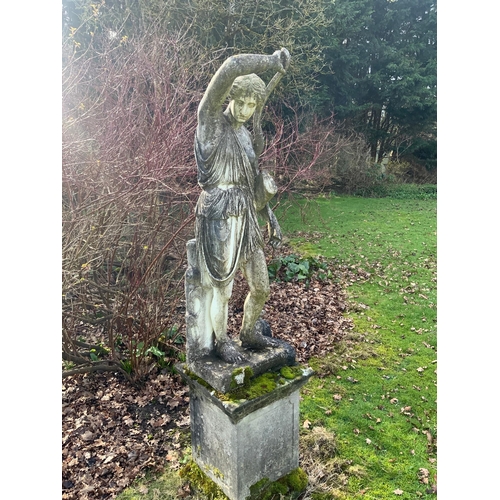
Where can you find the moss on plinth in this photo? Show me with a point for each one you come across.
(244, 386)
(291, 372)
(255, 387)
(241, 377)
(291, 485)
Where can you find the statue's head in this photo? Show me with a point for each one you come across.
(246, 94)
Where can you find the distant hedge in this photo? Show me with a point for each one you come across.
(400, 191)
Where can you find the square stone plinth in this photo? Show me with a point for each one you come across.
(238, 444)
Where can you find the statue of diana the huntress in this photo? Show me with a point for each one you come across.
(234, 192)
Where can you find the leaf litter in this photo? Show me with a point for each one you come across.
(113, 432)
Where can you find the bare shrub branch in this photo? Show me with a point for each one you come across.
(129, 186)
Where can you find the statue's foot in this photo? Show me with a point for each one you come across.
(258, 342)
(228, 353)
(262, 328)
(260, 338)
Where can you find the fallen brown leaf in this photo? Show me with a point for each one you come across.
(87, 436)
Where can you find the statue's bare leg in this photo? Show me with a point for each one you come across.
(219, 313)
(255, 272)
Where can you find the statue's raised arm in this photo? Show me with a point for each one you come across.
(227, 231)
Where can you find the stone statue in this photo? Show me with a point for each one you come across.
(227, 231)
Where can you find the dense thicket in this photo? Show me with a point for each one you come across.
(220, 28)
(371, 62)
(127, 198)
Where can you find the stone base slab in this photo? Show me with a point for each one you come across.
(220, 375)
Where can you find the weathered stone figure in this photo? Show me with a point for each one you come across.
(227, 231)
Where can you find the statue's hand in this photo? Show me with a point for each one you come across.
(284, 58)
(275, 235)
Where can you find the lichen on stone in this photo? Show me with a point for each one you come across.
(200, 381)
(241, 377)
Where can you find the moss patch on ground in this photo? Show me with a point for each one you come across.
(291, 485)
(200, 482)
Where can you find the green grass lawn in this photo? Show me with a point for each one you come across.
(379, 396)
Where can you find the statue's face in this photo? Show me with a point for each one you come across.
(242, 108)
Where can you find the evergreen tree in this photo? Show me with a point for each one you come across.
(383, 59)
